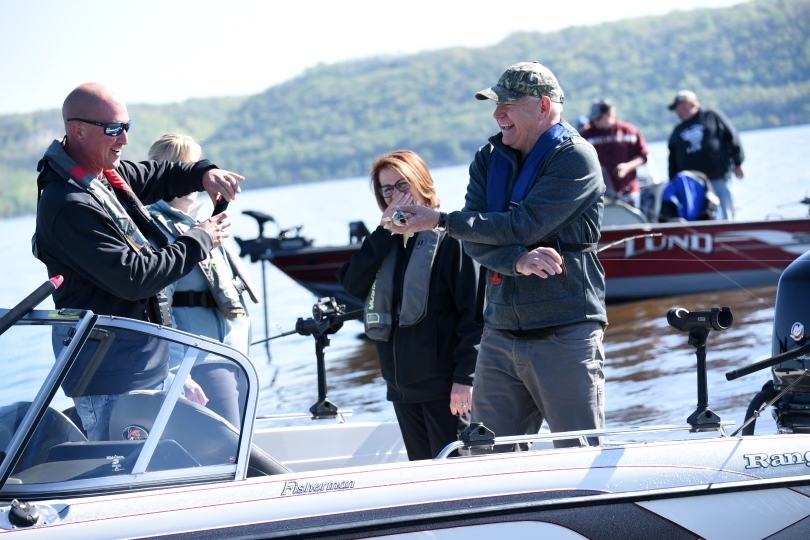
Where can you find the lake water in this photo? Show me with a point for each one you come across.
(650, 368)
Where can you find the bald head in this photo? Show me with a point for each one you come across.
(91, 108)
(90, 100)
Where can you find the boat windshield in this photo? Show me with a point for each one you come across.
(91, 401)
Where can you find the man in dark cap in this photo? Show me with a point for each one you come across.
(532, 217)
(705, 141)
(621, 149)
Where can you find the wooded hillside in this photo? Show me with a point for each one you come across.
(751, 60)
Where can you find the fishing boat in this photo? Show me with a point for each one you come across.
(642, 259)
(172, 468)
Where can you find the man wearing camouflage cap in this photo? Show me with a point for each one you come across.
(532, 217)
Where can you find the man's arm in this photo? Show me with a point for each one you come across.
(623, 169)
(85, 239)
(153, 181)
(731, 139)
(511, 260)
(673, 157)
(640, 147)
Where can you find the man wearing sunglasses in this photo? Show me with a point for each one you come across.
(92, 229)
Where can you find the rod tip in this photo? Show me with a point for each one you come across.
(57, 281)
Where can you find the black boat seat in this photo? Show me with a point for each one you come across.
(53, 429)
(206, 436)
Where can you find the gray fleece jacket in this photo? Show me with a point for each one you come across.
(566, 203)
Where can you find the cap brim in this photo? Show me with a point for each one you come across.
(672, 105)
(498, 93)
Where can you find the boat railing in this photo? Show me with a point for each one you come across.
(581, 435)
(300, 416)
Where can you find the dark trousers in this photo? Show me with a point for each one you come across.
(428, 427)
(225, 389)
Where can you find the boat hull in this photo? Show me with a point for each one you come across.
(640, 261)
(709, 488)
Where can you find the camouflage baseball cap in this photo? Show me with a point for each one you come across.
(524, 79)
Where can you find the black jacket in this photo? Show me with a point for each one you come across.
(77, 239)
(708, 143)
(421, 362)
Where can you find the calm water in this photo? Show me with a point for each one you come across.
(649, 369)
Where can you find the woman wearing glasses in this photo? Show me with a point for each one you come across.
(420, 302)
(208, 301)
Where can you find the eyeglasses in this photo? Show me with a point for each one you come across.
(113, 129)
(386, 191)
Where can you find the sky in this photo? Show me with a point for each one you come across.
(165, 51)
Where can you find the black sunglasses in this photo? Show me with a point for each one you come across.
(113, 129)
(386, 191)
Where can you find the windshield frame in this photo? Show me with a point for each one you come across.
(139, 478)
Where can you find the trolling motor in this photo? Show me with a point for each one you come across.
(327, 318)
(789, 389)
(699, 324)
(262, 248)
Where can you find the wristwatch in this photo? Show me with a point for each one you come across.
(441, 226)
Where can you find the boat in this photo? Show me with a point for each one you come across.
(642, 259)
(173, 468)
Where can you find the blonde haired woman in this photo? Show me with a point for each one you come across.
(420, 310)
(208, 300)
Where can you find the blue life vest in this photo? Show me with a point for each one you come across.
(689, 194)
(500, 169)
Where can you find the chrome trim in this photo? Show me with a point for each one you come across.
(582, 435)
(293, 416)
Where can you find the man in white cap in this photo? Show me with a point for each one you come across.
(705, 141)
(532, 217)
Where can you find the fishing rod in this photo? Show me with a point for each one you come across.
(356, 314)
(28, 303)
(627, 239)
(326, 315)
(288, 333)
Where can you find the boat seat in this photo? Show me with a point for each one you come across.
(620, 213)
(53, 429)
(206, 436)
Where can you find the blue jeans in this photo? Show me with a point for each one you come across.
(520, 381)
(726, 210)
(632, 198)
(96, 411)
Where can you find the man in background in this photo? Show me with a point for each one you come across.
(705, 141)
(621, 149)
